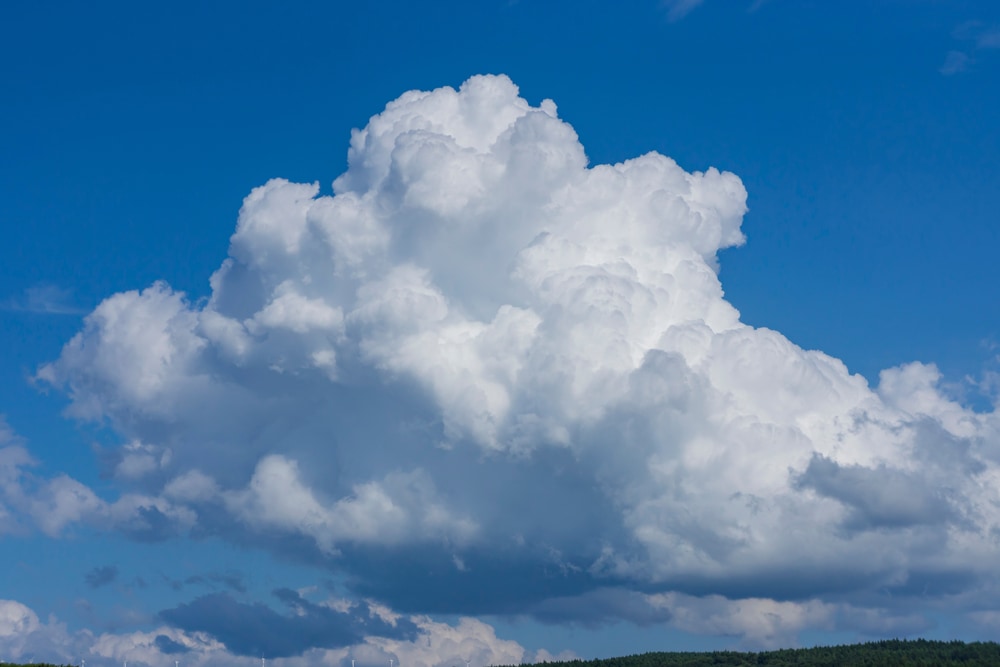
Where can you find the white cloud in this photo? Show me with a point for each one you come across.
(401, 508)
(13, 457)
(146, 346)
(755, 622)
(140, 459)
(193, 486)
(56, 505)
(485, 347)
(24, 638)
(442, 644)
(16, 619)
(762, 623)
(758, 622)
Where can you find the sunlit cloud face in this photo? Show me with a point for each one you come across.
(486, 376)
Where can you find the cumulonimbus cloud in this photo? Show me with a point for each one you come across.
(484, 355)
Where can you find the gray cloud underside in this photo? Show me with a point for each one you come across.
(255, 629)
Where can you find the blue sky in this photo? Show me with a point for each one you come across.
(485, 398)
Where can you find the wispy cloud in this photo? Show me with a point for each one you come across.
(980, 34)
(955, 62)
(989, 38)
(45, 299)
(979, 37)
(678, 9)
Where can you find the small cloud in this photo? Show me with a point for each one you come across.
(46, 300)
(133, 461)
(989, 39)
(955, 62)
(678, 9)
(101, 576)
(981, 35)
(982, 38)
(967, 30)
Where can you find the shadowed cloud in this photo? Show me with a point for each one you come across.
(101, 576)
(256, 629)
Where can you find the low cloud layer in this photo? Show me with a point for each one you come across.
(57, 505)
(485, 376)
(256, 629)
(25, 638)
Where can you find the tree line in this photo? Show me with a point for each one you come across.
(894, 653)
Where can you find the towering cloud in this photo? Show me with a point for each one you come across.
(486, 376)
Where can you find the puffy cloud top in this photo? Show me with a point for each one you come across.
(482, 354)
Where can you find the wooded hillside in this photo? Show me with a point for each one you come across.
(895, 652)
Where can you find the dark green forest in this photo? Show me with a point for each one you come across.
(892, 652)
